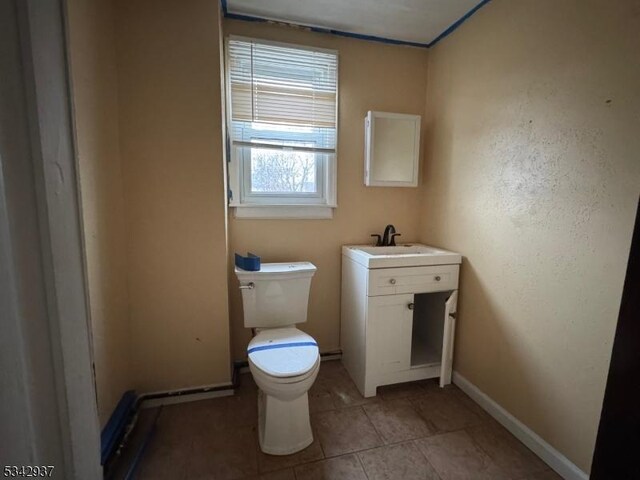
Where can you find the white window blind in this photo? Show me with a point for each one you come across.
(282, 120)
(282, 86)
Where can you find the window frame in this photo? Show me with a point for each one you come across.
(245, 204)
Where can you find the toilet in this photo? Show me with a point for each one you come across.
(283, 360)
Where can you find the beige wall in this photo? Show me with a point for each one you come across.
(533, 174)
(373, 76)
(94, 77)
(171, 142)
(530, 173)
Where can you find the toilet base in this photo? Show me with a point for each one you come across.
(283, 425)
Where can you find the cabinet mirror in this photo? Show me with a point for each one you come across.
(392, 147)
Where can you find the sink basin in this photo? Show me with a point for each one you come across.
(409, 255)
(411, 249)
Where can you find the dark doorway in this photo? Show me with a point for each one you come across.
(617, 452)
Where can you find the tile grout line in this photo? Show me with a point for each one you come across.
(382, 438)
(424, 455)
(324, 455)
(490, 457)
(256, 439)
(487, 424)
(479, 447)
(363, 450)
(429, 424)
(364, 470)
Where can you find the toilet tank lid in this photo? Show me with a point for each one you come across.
(293, 269)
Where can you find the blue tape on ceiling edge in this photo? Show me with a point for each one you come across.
(455, 25)
(359, 36)
(282, 345)
(248, 18)
(371, 38)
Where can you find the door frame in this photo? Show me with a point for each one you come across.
(50, 383)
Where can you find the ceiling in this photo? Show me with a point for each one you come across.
(419, 22)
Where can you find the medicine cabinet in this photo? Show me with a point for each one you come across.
(392, 149)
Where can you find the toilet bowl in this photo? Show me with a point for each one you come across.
(284, 371)
(283, 360)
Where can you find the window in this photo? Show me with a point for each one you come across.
(282, 116)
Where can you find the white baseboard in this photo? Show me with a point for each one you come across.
(552, 457)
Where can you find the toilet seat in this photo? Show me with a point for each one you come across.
(286, 355)
(283, 381)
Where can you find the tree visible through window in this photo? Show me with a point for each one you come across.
(275, 171)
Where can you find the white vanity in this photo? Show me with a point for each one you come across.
(398, 314)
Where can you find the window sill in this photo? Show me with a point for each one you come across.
(283, 212)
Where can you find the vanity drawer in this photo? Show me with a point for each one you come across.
(391, 281)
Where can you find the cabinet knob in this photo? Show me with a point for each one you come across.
(437, 278)
(411, 306)
(392, 281)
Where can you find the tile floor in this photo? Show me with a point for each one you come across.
(409, 431)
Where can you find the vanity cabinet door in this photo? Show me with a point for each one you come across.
(450, 308)
(389, 325)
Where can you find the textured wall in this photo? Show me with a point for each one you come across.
(372, 76)
(171, 142)
(95, 102)
(533, 174)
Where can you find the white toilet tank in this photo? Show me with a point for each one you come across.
(280, 294)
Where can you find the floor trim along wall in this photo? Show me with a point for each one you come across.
(552, 457)
(156, 399)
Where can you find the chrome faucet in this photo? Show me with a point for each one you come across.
(388, 238)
